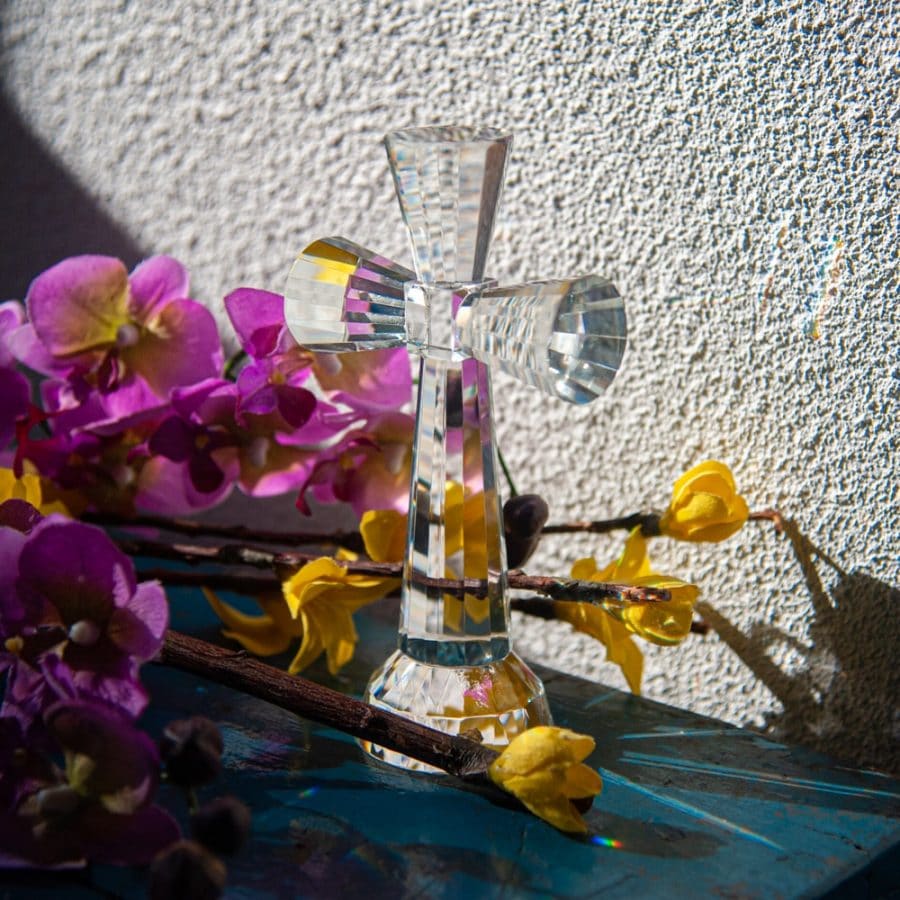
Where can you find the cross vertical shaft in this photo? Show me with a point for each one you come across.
(454, 527)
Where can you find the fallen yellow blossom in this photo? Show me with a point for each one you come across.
(542, 767)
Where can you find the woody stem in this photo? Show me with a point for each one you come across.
(258, 557)
(236, 669)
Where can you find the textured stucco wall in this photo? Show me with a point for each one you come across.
(728, 165)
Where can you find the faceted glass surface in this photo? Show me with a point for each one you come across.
(454, 669)
(340, 296)
(455, 529)
(448, 182)
(499, 700)
(564, 336)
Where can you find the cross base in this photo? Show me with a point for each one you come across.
(498, 701)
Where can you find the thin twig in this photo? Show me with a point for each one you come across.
(352, 540)
(254, 585)
(258, 557)
(235, 669)
(649, 522)
(769, 515)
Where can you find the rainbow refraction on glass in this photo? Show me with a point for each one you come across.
(454, 668)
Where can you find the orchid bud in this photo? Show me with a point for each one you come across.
(186, 871)
(222, 825)
(523, 518)
(192, 751)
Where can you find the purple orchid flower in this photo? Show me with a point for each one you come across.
(198, 437)
(131, 338)
(100, 808)
(368, 382)
(368, 468)
(74, 622)
(256, 433)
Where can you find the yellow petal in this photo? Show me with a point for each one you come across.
(701, 507)
(27, 488)
(311, 647)
(259, 635)
(582, 781)
(585, 569)
(340, 640)
(384, 534)
(599, 624)
(633, 563)
(709, 475)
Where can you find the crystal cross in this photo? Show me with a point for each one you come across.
(454, 668)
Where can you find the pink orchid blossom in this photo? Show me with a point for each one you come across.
(131, 338)
(368, 468)
(368, 382)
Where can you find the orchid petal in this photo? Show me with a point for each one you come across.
(157, 281)
(79, 304)
(179, 346)
(257, 318)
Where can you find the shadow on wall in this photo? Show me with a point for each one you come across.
(47, 215)
(846, 701)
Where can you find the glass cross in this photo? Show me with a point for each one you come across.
(454, 668)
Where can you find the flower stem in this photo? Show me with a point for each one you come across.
(351, 540)
(258, 557)
(236, 669)
(232, 364)
(506, 474)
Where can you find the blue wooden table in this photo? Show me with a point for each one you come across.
(691, 807)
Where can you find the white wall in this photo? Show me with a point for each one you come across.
(728, 165)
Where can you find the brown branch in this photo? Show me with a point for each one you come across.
(649, 522)
(235, 669)
(352, 540)
(259, 557)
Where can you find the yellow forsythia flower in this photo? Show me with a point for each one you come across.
(705, 505)
(315, 604)
(32, 489)
(543, 768)
(324, 596)
(658, 622)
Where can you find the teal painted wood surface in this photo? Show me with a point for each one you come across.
(691, 807)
